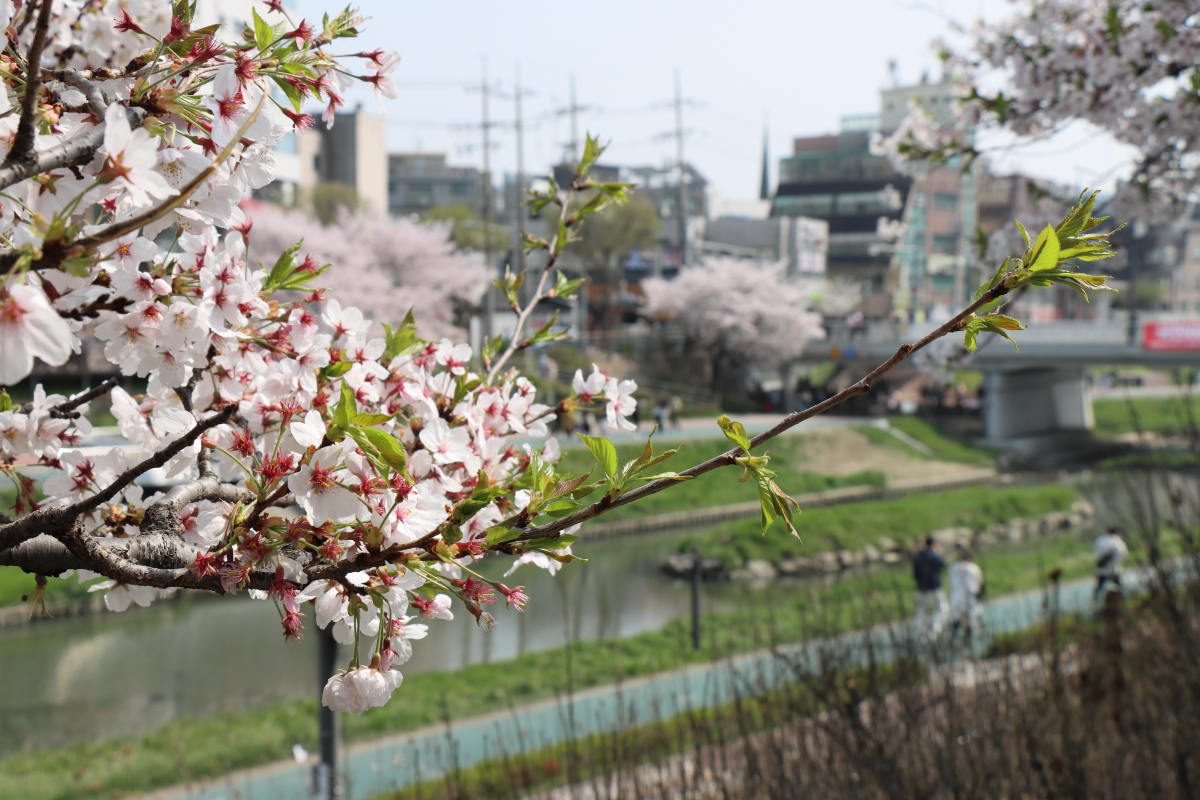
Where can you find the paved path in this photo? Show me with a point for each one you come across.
(386, 764)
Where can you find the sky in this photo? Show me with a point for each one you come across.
(796, 67)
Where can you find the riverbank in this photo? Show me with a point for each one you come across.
(198, 749)
(811, 465)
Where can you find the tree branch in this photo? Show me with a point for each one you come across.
(22, 149)
(58, 520)
(66, 409)
(791, 420)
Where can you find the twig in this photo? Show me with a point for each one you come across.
(66, 409)
(555, 250)
(97, 103)
(22, 149)
(727, 458)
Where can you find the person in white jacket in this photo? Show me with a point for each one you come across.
(966, 589)
(1109, 550)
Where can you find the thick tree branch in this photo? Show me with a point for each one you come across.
(57, 521)
(76, 151)
(23, 141)
(96, 101)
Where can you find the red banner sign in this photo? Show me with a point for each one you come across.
(1182, 335)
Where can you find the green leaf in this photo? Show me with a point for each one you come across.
(6, 403)
(346, 409)
(565, 288)
(263, 35)
(390, 449)
(735, 432)
(499, 535)
(1045, 251)
(1024, 233)
(370, 420)
(603, 451)
(592, 150)
(285, 265)
(1077, 219)
(401, 341)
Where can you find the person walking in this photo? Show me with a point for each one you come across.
(931, 600)
(1108, 550)
(966, 590)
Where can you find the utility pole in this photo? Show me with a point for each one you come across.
(325, 773)
(572, 112)
(519, 207)
(682, 196)
(485, 128)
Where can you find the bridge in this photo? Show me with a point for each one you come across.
(1037, 401)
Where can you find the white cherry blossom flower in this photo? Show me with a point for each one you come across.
(132, 156)
(620, 403)
(359, 689)
(317, 490)
(311, 431)
(29, 328)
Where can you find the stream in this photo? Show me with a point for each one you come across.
(107, 674)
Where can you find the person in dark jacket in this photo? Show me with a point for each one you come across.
(931, 600)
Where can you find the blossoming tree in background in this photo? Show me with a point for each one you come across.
(1126, 67)
(316, 458)
(738, 311)
(379, 264)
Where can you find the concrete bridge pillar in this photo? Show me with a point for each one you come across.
(1038, 411)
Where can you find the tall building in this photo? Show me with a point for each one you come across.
(918, 273)
(418, 182)
(353, 153)
(835, 178)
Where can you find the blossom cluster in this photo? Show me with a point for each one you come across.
(1125, 67)
(316, 454)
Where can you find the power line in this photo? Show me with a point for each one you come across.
(572, 111)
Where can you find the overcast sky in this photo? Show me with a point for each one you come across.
(800, 65)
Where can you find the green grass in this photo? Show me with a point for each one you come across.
(193, 749)
(796, 473)
(945, 446)
(1164, 415)
(854, 525)
(716, 488)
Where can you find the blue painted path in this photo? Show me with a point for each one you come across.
(377, 766)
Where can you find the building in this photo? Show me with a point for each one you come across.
(903, 238)
(419, 181)
(801, 242)
(835, 178)
(352, 153)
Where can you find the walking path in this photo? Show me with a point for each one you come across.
(382, 765)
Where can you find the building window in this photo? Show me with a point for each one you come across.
(461, 190)
(805, 205)
(420, 195)
(945, 201)
(945, 243)
(853, 203)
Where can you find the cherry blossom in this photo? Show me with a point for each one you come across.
(29, 328)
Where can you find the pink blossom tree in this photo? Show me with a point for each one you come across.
(739, 311)
(382, 265)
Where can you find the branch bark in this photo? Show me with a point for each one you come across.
(59, 520)
(727, 458)
(23, 141)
